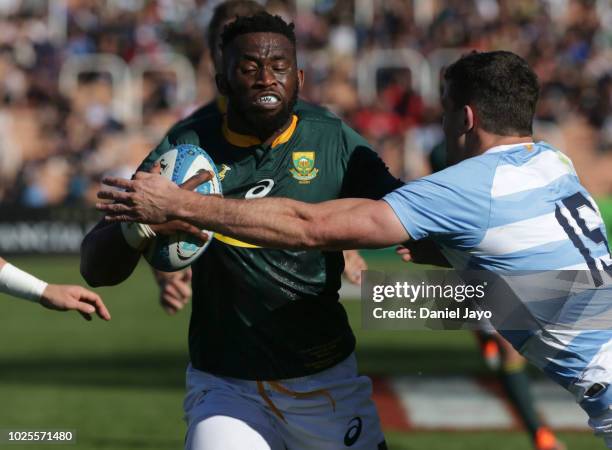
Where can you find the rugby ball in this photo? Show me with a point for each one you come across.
(170, 253)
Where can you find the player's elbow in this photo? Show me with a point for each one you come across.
(94, 273)
(91, 279)
(89, 275)
(95, 276)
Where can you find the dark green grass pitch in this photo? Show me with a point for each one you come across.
(119, 385)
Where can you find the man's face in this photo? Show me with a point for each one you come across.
(454, 126)
(261, 79)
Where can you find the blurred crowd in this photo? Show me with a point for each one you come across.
(88, 87)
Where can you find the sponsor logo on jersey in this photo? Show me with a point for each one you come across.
(223, 171)
(261, 189)
(304, 166)
(354, 431)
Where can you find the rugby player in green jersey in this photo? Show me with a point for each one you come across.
(272, 353)
(175, 287)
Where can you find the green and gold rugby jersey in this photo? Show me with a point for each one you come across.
(268, 314)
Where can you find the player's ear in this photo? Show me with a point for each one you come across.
(469, 118)
(222, 83)
(300, 75)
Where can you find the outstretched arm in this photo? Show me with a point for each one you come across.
(286, 223)
(270, 222)
(60, 297)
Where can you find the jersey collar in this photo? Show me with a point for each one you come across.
(503, 148)
(221, 102)
(245, 140)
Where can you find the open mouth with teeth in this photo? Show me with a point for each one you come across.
(268, 100)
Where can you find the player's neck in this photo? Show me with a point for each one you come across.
(486, 141)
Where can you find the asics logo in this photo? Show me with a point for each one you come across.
(354, 431)
(261, 189)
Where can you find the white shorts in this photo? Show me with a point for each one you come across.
(330, 410)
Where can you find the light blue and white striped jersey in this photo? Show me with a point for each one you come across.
(519, 208)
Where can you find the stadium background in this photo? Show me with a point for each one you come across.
(87, 87)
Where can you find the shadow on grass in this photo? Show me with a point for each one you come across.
(167, 370)
(144, 371)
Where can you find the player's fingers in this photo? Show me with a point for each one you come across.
(201, 177)
(155, 168)
(118, 196)
(96, 301)
(102, 311)
(186, 275)
(193, 230)
(84, 307)
(113, 207)
(406, 258)
(171, 305)
(354, 276)
(86, 294)
(175, 304)
(177, 296)
(143, 175)
(114, 218)
(171, 291)
(165, 229)
(118, 182)
(402, 250)
(183, 289)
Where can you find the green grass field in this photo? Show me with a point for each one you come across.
(120, 384)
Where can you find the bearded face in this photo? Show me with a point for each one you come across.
(261, 81)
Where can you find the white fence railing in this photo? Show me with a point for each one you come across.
(128, 79)
(101, 63)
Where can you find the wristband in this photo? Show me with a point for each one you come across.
(137, 235)
(18, 283)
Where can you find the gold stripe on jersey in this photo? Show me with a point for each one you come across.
(245, 140)
(233, 242)
(221, 102)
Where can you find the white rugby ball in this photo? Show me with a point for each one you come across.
(170, 253)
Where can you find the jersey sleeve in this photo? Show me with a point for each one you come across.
(451, 206)
(366, 175)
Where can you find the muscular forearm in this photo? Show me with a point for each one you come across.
(106, 259)
(270, 224)
(285, 223)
